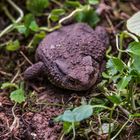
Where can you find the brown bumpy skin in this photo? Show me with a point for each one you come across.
(71, 56)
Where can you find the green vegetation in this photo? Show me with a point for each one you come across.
(124, 77)
(16, 95)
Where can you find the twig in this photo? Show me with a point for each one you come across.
(110, 23)
(124, 111)
(5, 73)
(26, 58)
(5, 43)
(17, 74)
(120, 130)
(134, 7)
(57, 2)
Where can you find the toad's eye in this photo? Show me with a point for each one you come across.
(62, 66)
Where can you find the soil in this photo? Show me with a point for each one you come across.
(36, 120)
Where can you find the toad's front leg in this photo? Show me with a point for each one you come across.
(34, 71)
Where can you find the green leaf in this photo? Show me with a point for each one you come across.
(13, 46)
(110, 67)
(21, 28)
(97, 101)
(88, 15)
(133, 24)
(28, 25)
(37, 6)
(105, 75)
(18, 96)
(38, 37)
(93, 2)
(67, 117)
(77, 114)
(136, 63)
(115, 64)
(118, 64)
(56, 13)
(82, 112)
(116, 99)
(33, 26)
(67, 127)
(134, 72)
(134, 48)
(115, 78)
(28, 19)
(9, 85)
(124, 82)
(73, 4)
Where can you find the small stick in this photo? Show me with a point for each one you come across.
(57, 2)
(26, 58)
(5, 73)
(134, 7)
(15, 123)
(110, 23)
(17, 74)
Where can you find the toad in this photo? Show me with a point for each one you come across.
(71, 57)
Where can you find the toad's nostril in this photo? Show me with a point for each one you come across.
(85, 80)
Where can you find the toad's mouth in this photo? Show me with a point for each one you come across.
(80, 77)
(83, 81)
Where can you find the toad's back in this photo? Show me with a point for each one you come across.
(70, 41)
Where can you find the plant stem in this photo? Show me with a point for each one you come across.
(73, 127)
(108, 51)
(101, 106)
(8, 14)
(121, 45)
(111, 113)
(131, 35)
(11, 26)
(126, 112)
(120, 130)
(131, 94)
(74, 13)
(50, 29)
(117, 44)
